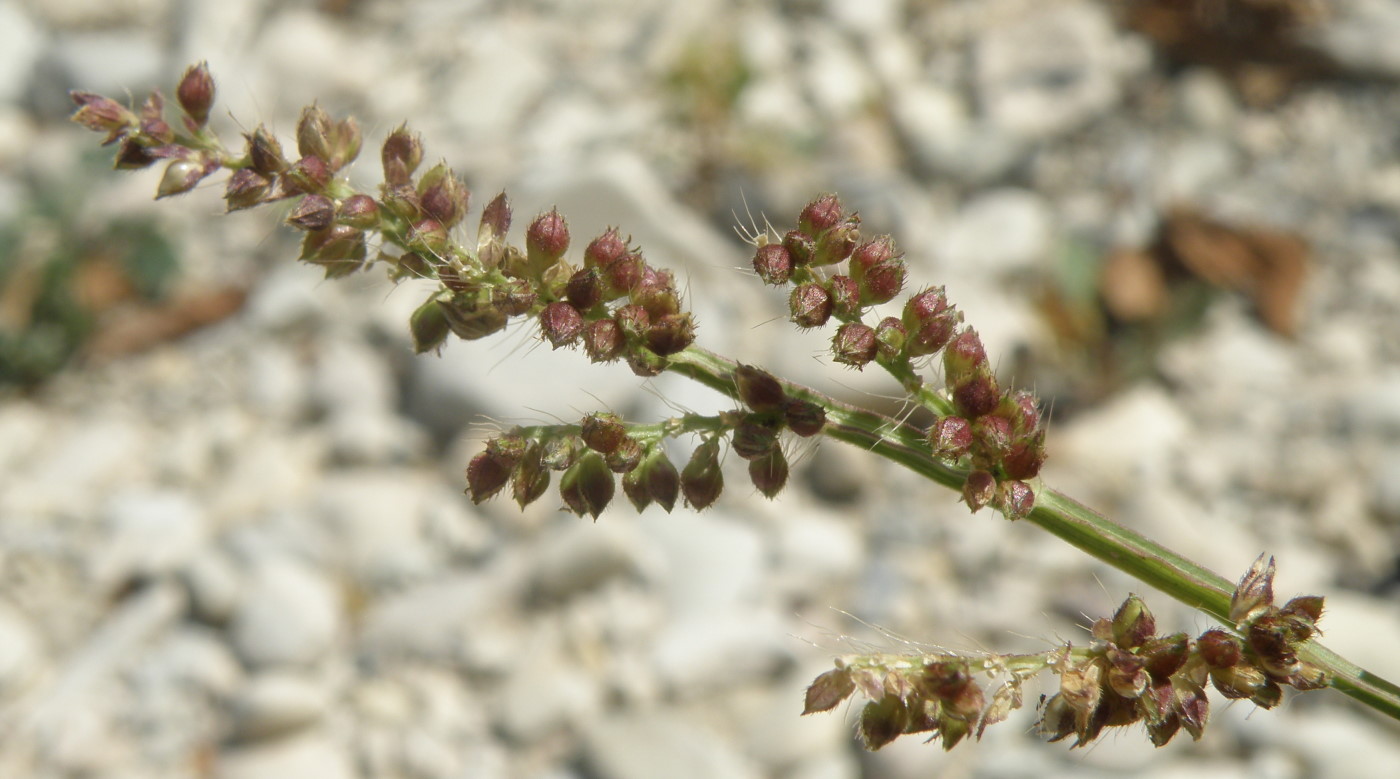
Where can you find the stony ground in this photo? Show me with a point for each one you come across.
(245, 553)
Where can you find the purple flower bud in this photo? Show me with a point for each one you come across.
(443, 196)
(134, 155)
(313, 133)
(265, 153)
(930, 321)
(546, 240)
(345, 142)
(531, 476)
(102, 114)
(428, 236)
(471, 317)
(310, 174)
(181, 176)
(196, 93)
(804, 417)
(1219, 649)
(882, 282)
(359, 211)
(820, 215)
(624, 274)
(769, 473)
(1015, 499)
(495, 220)
(845, 296)
(758, 389)
(1133, 623)
(246, 188)
(585, 289)
(854, 344)
(964, 356)
(587, 487)
(312, 212)
(401, 155)
(800, 247)
(561, 323)
(514, 297)
(773, 264)
(604, 250)
(428, 325)
(836, 244)
(656, 292)
(603, 340)
(976, 395)
(1026, 457)
(603, 431)
(626, 457)
(754, 437)
(635, 488)
(950, 437)
(991, 436)
(701, 480)
(979, 490)
(489, 471)
(654, 480)
(670, 334)
(810, 305)
(157, 130)
(634, 321)
(828, 690)
(889, 338)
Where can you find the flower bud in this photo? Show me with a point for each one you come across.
(845, 296)
(773, 264)
(701, 480)
(102, 114)
(309, 174)
(546, 240)
(443, 196)
(428, 325)
(635, 488)
(828, 690)
(585, 289)
(930, 321)
(495, 221)
(604, 250)
(979, 490)
(991, 436)
(587, 487)
(1127, 674)
(196, 93)
(313, 133)
(246, 188)
(531, 476)
(625, 456)
(975, 395)
(1015, 499)
(754, 437)
(1255, 592)
(345, 142)
(561, 324)
(854, 344)
(769, 473)
(889, 338)
(1026, 457)
(964, 356)
(603, 432)
(153, 124)
(800, 247)
(820, 215)
(950, 437)
(836, 244)
(758, 389)
(429, 237)
(401, 155)
(312, 212)
(603, 340)
(670, 334)
(623, 275)
(810, 305)
(1219, 649)
(804, 417)
(1244, 681)
(1133, 623)
(359, 211)
(1300, 615)
(132, 154)
(265, 153)
(634, 321)
(879, 270)
(181, 176)
(489, 471)
(654, 479)
(655, 291)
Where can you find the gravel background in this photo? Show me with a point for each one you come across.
(245, 553)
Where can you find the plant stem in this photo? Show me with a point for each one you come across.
(1106, 540)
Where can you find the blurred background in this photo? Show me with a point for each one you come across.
(232, 536)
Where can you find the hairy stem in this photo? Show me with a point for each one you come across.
(1082, 527)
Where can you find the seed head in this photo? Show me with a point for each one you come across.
(754, 437)
(845, 296)
(181, 176)
(603, 340)
(670, 334)
(246, 188)
(820, 215)
(401, 155)
(495, 221)
(1015, 498)
(196, 94)
(773, 264)
(531, 476)
(769, 473)
(312, 212)
(854, 344)
(758, 389)
(800, 247)
(979, 490)
(585, 289)
(701, 480)
(810, 305)
(546, 240)
(804, 417)
(561, 324)
(313, 133)
(428, 325)
(102, 114)
(587, 487)
(443, 196)
(604, 250)
(603, 431)
(950, 437)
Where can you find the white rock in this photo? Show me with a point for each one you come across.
(544, 695)
(712, 564)
(1360, 35)
(1373, 408)
(348, 376)
(1136, 435)
(835, 76)
(215, 585)
(697, 655)
(1050, 70)
(437, 620)
(1000, 232)
(195, 657)
(276, 704)
(583, 556)
(650, 744)
(312, 754)
(149, 532)
(20, 44)
(289, 615)
(20, 652)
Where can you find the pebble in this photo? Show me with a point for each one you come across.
(289, 615)
(20, 651)
(21, 42)
(275, 704)
(148, 533)
(311, 754)
(999, 233)
(638, 746)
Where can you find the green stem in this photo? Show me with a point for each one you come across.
(1120, 547)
